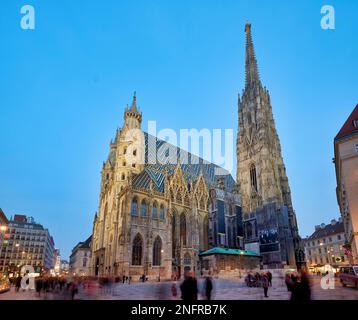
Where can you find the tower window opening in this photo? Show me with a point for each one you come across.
(253, 177)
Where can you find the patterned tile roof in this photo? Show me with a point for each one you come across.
(165, 158)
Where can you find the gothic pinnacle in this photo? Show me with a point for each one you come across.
(133, 107)
(251, 70)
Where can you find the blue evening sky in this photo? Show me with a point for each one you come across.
(64, 85)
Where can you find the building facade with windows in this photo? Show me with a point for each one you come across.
(64, 267)
(324, 248)
(3, 226)
(225, 218)
(26, 243)
(346, 165)
(80, 258)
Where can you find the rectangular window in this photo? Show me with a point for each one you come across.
(239, 226)
(356, 147)
(221, 217)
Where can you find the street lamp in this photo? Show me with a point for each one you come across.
(3, 228)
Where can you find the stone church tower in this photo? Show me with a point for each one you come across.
(261, 172)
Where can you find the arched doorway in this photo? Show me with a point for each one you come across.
(96, 269)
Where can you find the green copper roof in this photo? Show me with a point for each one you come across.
(218, 250)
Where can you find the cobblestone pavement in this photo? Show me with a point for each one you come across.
(224, 289)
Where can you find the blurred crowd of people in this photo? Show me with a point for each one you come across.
(263, 280)
(67, 287)
(189, 287)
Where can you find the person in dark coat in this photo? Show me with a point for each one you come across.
(301, 289)
(208, 287)
(18, 283)
(289, 282)
(265, 284)
(189, 288)
(73, 289)
(269, 278)
(38, 285)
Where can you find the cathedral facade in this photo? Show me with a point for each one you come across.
(153, 216)
(161, 207)
(261, 173)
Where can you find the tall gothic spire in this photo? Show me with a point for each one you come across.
(251, 70)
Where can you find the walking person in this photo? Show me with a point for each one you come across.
(288, 282)
(174, 289)
(301, 290)
(73, 289)
(38, 285)
(189, 288)
(269, 277)
(265, 284)
(18, 283)
(208, 287)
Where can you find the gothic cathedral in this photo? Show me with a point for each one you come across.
(161, 207)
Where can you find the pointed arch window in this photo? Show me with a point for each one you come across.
(187, 258)
(161, 213)
(253, 177)
(183, 229)
(157, 251)
(144, 208)
(205, 231)
(134, 207)
(174, 238)
(137, 250)
(155, 211)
